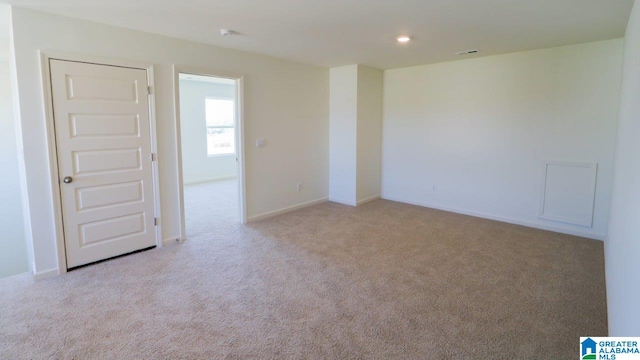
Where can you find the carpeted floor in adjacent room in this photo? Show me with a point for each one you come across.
(382, 281)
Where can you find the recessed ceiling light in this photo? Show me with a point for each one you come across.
(403, 39)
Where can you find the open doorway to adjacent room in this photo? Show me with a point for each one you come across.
(210, 136)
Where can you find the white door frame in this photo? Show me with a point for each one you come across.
(51, 138)
(239, 79)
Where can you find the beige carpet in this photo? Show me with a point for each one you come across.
(209, 205)
(381, 281)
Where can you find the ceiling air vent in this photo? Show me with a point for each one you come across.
(467, 52)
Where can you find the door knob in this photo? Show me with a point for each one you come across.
(67, 179)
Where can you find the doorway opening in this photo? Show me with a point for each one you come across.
(211, 138)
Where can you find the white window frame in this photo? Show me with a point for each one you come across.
(235, 122)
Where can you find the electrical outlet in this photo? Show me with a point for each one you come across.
(298, 186)
(435, 188)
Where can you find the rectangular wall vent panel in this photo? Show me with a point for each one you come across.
(569, 192)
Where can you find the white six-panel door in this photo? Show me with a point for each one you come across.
(101, 116)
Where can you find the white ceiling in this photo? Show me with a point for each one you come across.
(206, 79)
(340, 32)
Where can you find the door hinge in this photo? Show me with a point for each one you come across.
(155, 221)
(152, 156)
(149, 90)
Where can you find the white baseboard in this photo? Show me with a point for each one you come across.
(219, 178)
(369, 199)
(343, 202)
(531, 224)
(285, 210)
(171, 241)
(354, 203)
(46, 274)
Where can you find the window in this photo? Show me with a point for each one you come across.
(221, 132)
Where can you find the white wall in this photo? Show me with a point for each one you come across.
(369, 137)
(13, 250)
(480, 130)
(196, 165)
(622, 248)
(286, 103)
(356, 134)
(343, 134)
